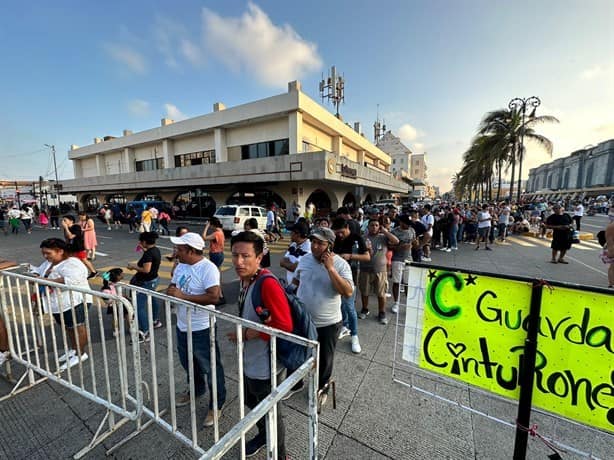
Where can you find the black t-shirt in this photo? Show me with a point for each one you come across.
(418, 227)
(76, 244)
(151, 255)
(2, 214)
(346, 245)
(559, 219)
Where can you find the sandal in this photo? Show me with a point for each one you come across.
(553, 261)
(561, 261)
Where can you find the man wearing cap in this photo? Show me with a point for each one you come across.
(352, 248)
(322, 279)
(196, 279)
(299, 247)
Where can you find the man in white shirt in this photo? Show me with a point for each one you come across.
(196, 279)
(299, 247)
(322, 278)
(484, 224)
(428, 221)
(578, 212)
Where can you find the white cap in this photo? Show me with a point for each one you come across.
(194, 240)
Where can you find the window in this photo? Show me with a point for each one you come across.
(149, 165)
(394, 161)
(265, 149)
(195, 158)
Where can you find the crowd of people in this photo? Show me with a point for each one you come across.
(330, 262)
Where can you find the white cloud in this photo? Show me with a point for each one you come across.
(597, 71)
(131, 60)
(417, 147)
(408, 133)
(251, 43)
(138, 107)
(174, 113)
(192, 53)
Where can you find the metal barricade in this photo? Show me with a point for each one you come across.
(148, 398)
(159, 375)
(102, 372)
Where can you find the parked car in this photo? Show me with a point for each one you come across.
(233, 216)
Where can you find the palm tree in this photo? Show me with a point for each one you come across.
(507, 126)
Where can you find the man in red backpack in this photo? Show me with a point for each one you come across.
(247, 254)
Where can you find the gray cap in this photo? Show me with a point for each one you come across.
(323, 234)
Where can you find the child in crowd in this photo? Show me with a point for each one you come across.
(109, 280)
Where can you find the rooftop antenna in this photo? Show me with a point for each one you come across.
(332, 89)
(379, 128)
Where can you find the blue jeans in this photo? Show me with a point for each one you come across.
(202, 364)
(459, 234)
(348, 311)
(452, 235)
(141, 305)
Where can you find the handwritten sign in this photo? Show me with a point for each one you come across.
(472, 328)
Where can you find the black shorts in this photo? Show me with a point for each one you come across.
(68, 320)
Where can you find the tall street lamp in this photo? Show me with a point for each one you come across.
(520, 105)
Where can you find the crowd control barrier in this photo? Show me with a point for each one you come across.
(110, 374)
(544, 346)
(147, 396)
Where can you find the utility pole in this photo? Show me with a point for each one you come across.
(55, 169)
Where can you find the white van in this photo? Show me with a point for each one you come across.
(233, 216)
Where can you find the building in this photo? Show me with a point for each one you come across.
(588, 172)
(276, 150)
(406, 165)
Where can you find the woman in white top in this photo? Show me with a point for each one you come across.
(60, 268)
(578, 213)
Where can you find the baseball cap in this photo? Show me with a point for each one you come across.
(194, 240)
(323, 234)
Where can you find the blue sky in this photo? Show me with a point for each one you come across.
(72, 71)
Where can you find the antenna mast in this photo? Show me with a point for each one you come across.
(333, 88)
(379, 128)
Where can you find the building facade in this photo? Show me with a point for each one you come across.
(585, 173)
(405, 164)
(277, 150)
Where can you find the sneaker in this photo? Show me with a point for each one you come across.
(209, 417)
(4, 355)
(73, 361)
(343, 333)
(443, 249)
(448, 250)
(426, 259)
(143, 337)
(183, 399)
(66, 356)
(157, 324)
(356, 345)
(395, 308)
(253, 446)
(381, 317)
(295, 389)
(455, 248)
(363, 314)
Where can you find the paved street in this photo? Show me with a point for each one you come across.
(375, 417)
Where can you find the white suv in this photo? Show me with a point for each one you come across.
(233, 216)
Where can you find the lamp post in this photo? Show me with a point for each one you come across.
(521, 104)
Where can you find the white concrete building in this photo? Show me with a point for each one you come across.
(283, 148)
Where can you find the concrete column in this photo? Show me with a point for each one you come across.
(221, 149)
(78, 168)
(168, 153)
(337, 144)
(295, 132)
(101, 169)
(128, 160)
(361, 157)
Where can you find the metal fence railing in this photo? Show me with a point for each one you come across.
(141, 387)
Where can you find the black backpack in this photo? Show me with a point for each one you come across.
(291, 354)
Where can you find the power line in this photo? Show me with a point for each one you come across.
(11, 155)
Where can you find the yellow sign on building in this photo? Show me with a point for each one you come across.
(474, 329)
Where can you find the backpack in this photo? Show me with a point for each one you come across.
(291, 354)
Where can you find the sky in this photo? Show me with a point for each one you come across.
(72, 71)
